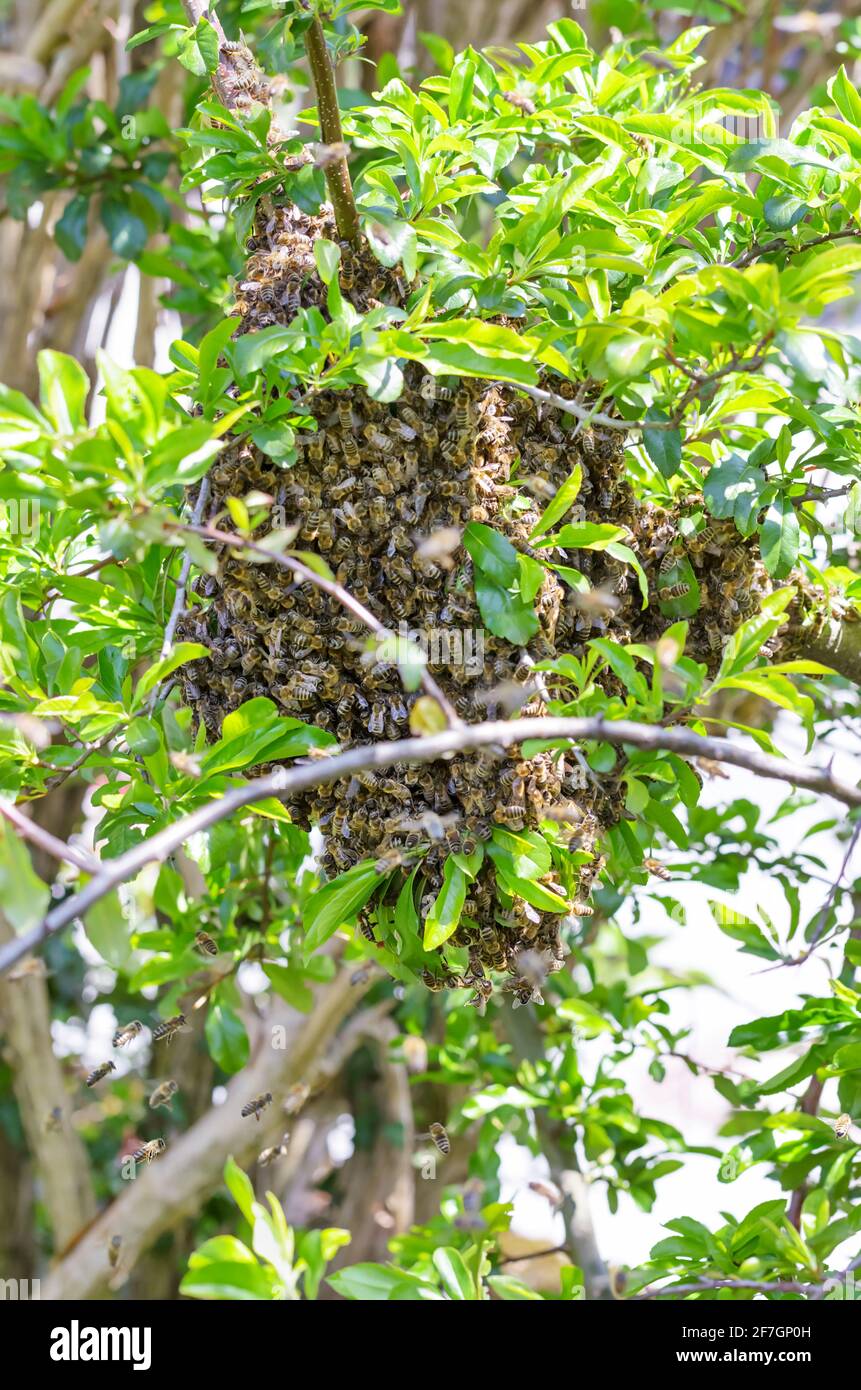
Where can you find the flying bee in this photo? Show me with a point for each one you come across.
(163, 1095)
(147, 1152)
(256, 1106)
(32, 969)
(168, 1028)
(54, 1120)
(115, 1245)
(267, 1156)
(296, 1097)
(124, 1035)
(671, 591)
(842, 1126)
(439, 1136)
(100, 1073)
(654, 866)
(204, 943)
(522, 102)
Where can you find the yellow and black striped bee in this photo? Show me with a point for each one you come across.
(147, 1152)
(439, 1136)
(842, 1126)
(169, 1028)
(127, 1033)
(100, 1073)
(257, 1105)
(267, 1156)
(204, 943)
(163, 1095)
(671, 591)
(654, 866)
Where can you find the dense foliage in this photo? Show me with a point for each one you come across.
(640, 276)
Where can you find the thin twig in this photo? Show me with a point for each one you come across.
(58, 849)
(765, 248)
(335, 591)
(284, 783)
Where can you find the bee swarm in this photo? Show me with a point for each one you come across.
(367, 490)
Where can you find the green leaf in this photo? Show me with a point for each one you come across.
(441, 922)
(289, 982)
(521, 854)
(226, 1038)
(505, 614)
(779, 537)
(586, 535)
(126, 232)
(846, 98)
(238, 1282)
(454, 1274)
(328, 258)
(63, 390)
(664, 447)
(23, 896)
(337, 904)
(733, 489)
(198, 49)
(70, 231)
(531, 892)
(491, 553)
(181, 653)
(108, 930)
(240, 1188)
(564, 499)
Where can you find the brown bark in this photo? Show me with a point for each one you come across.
(59, 1154)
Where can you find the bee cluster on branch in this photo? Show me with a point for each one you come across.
(383, 493)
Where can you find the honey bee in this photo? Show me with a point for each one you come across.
(257, 1105)
(124, 1035)
(115, 1245)
(842, 1126)
(654, 866)
(512, 815)
(667, 563)
(54, 1120)
(147, 1152)
(100, 1073)
(296, 1097)
(415, 1053)
(671, 591)
(521, 101)
(439, 1136)
(267, 1156)
(378, 440)
(168, 1028)
(163, 1095)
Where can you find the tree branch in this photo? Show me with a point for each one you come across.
(337, 173)
(178, 1183)
(286, 782)
(58, 1153)
(580, 1242)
